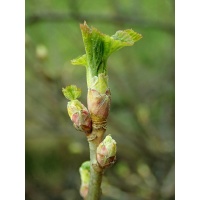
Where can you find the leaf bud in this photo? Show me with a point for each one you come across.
(80, 116)
(106, 152)
(84, 171)
(98, 105)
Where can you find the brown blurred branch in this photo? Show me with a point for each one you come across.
(63, 17)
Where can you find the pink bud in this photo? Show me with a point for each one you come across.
(106, 152)
(82, 121)
(79, 116)
(84, 190)
(98, 104)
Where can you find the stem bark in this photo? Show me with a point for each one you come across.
(94, 139)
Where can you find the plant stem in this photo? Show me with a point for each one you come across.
(94, 140)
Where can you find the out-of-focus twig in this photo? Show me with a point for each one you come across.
(60, 17)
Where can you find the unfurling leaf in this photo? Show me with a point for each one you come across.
(71, 92)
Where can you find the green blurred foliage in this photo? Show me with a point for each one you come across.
(141, 118)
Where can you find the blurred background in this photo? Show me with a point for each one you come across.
(141, 118)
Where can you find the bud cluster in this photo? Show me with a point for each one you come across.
(98, 48)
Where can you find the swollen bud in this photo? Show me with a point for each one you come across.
(106, 152)
(77, 111)
(79, 116)
(84, 171)
(99, 98)
(98, 105)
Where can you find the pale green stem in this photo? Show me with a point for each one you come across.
(94, 139)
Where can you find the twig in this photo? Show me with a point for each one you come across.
(117, 19)
(93, 119)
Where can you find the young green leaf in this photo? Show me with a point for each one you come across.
(99, 47)
(71, 92)
(81, 60)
